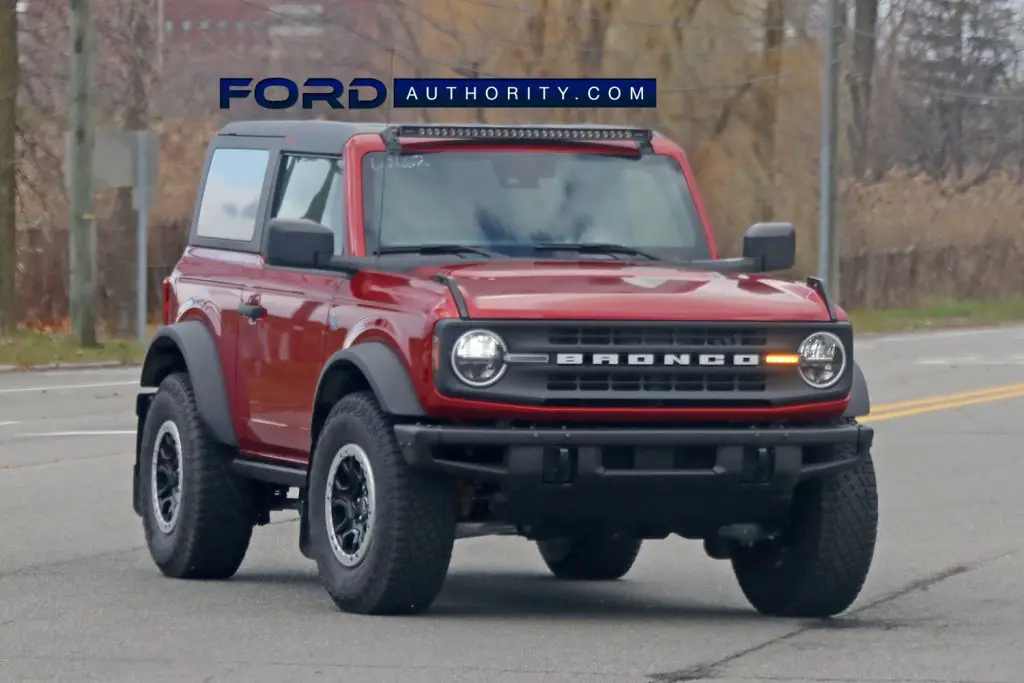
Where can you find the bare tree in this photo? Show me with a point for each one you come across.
(767, 105)
(957, 66)
(861, 75)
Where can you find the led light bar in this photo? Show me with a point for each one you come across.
(641, 136)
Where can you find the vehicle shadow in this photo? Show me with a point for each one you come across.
(526, 595)
(485, 594)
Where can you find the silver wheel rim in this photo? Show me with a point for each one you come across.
(350, 505)
(166, 476)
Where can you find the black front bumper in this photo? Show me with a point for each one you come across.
(679, 477)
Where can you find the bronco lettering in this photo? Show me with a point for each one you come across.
(660, 359)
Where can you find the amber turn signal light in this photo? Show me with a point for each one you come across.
(782, 359)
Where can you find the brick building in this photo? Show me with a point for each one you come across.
(256, 27)
(203, 25)
(199, 41)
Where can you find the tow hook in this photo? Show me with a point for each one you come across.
(719, 547)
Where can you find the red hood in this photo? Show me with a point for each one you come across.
(608, 290)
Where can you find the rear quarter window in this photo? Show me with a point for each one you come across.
(231, 195)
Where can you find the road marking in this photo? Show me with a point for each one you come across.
(68, 387)
(8, 424)
(973, 393)
(85, 375)
(973, 360)
(962, 399)
(110, 432)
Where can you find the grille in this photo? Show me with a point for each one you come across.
(657, 381)
(574, 336)
(606, 376)
(638, 338)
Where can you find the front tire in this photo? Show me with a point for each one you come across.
(590, 558)
(818, 565)
(197, 515)
(381, 532)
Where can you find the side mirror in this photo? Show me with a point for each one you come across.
(772, 246)
(298, 243)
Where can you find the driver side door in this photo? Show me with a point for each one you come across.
(285, 351)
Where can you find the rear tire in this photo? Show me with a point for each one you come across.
(383, 541)
(197, 514)
(590, 558)
(818, 566)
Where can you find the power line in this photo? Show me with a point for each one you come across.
(964, 94)
(482, 74)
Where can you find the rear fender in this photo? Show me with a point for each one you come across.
(193, 343)
(186, 346)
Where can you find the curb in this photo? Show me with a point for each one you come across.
(68, 366)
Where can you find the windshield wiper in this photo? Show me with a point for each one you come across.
(596, 248)
(436, 249)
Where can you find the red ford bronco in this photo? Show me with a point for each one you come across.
(413, 334)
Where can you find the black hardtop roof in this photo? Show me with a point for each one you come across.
(301, 127)
(331, 136)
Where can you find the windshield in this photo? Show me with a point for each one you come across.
(510, 202)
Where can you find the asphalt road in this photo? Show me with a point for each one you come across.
(81, 601)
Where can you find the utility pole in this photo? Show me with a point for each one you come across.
(9, 81)
(828, 246)
(82, 241)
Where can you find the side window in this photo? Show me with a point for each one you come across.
(311, 188)
(231, 197)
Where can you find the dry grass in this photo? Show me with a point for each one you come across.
(940, 314)
(906, 211)
(33, 349)
(52, 344)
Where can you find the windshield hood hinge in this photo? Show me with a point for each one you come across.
(453, 287)
(818, 286)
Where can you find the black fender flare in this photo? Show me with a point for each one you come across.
(194, 341)
(389, 381)
(384, 371)
(860, 399)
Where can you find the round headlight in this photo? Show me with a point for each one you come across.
(822, 359)
(478, 358)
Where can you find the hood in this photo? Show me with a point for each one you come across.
(610, 290)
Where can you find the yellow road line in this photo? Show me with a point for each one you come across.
(943, 398)
(891, 411)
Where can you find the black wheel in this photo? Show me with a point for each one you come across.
(590, 558)
(381, 532)
(197, 514)
(817, 565)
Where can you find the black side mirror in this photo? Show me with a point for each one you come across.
(298, 243)
(772, 246)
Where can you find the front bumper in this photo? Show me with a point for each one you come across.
(676, 477)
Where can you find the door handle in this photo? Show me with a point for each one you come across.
(252, 311)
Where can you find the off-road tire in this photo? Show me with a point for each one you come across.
(823, 568)
(590, 558)
(411, 544)
(216, 513)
